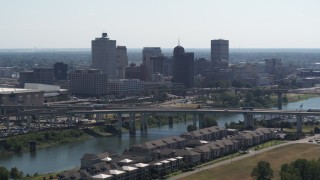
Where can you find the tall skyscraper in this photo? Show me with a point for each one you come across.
(104, 55)
(147, 53)
(183, 67)
(122, 61)
(220, 53)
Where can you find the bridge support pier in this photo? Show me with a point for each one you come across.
(279, 101)
(28, 122)
(55, 120)
(248, 120)
(170, 121)
(38, 120)
(143, 123)
(299, 123)
(194, 119)
(32, 146)
(201, 120)
(98, 117)
(69, 120)
(132, 123)
(119, 118)
(8, 123)
(50, 120)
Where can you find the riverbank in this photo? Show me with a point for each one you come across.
(20, 143)
(299, 97)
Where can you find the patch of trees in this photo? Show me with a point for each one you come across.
(209, 121)
(14, 173)
(316, 130)
(262, 171)
(191, 128)
(20, 143)
(298, 170)
(236, 125)
(301, 169)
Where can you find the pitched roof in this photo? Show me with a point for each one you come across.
(101, 176)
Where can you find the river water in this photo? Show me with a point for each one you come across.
(67, 156)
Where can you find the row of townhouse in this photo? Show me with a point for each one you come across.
(234, 143)
(174, 142)
(167, 154)
(207, 134)
(216, 149)
(164, 166)
(138, 171)
(250, 138)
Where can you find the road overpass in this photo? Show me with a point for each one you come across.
(198, 114)
(73, 113)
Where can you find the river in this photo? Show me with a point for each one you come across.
(67, 156)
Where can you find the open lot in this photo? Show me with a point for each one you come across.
(242, 168)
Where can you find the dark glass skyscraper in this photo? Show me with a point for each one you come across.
(183, 69)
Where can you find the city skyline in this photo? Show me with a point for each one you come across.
(142, 23)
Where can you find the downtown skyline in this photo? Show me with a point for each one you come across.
(142, 23)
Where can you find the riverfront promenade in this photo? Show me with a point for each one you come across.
(251, 153)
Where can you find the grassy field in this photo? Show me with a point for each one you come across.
(305, 128)
(242, 169)
(299, 97)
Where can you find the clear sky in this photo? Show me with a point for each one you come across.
(140, 23)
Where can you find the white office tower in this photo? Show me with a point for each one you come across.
(104, 55)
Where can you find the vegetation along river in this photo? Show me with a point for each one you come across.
(67, 156)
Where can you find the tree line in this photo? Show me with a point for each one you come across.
(300, 169)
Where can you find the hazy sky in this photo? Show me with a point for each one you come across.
(139, 23)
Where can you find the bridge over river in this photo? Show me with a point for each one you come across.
(73, 114)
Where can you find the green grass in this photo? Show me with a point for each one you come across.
(242, 168)
(41, 177)
(268, 144)
(305, 128)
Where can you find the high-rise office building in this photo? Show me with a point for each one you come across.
(38, 75)
(183, 67)
(60, 71)
(147, 53)
(88, 82)
(104, 55)
(220, 53)
(122, 61)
